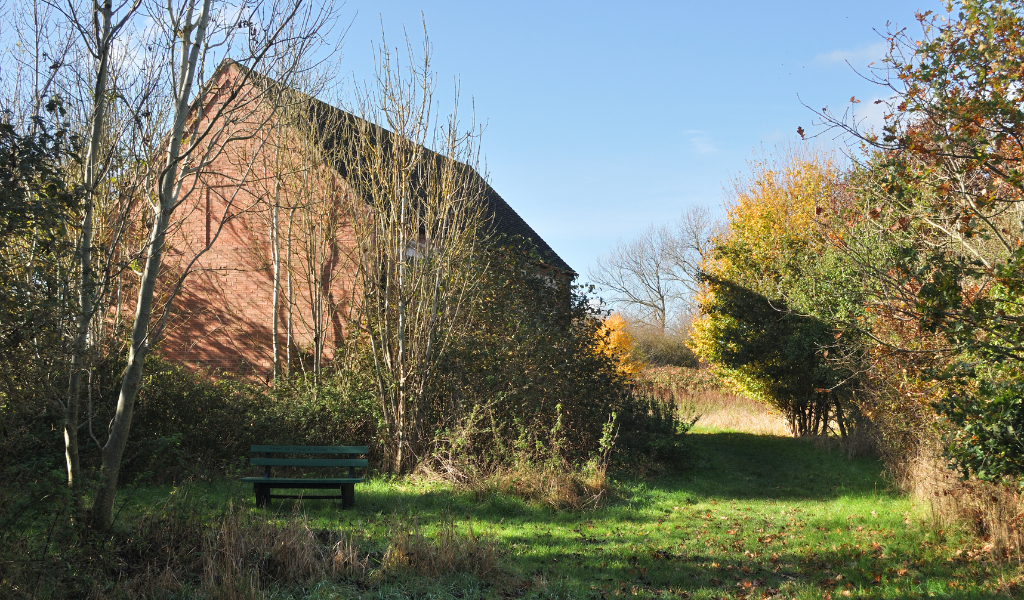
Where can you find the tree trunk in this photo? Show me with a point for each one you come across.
(802, 420)
(141, 342)
(291, 295)
(840, 420)
(86, 285)
(113, 450)
(275, 238)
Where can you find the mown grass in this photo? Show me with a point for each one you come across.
(754, 516)
(747, 515)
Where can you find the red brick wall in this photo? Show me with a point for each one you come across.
(222, 317)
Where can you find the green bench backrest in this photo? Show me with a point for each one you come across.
(309, 462)
(311, 449)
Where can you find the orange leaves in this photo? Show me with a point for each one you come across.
(617, 343)
(900, 225)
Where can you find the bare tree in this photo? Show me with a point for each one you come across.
(418, 219)
(99, 29)
(77, 55)
(687, 244)
(204, 124)
(307, 186)
(639, 276)
(297, 204)
(654, 276)
(319, 222)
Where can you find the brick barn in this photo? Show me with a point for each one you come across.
(241, 217)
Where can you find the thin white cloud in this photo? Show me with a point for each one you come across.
(700, 141)
(870, 117)
(858, 58)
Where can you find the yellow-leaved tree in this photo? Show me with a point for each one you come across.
(616, 342)
(761, 300)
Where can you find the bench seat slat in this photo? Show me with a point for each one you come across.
(299, 480)
(310, 462)
(311, 449)
(305, 497)
(345, 457)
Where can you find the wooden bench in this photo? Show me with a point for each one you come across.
(270, 457)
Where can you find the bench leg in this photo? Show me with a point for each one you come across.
(348, 495)
(262, 495)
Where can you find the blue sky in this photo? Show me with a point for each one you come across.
(603, 118)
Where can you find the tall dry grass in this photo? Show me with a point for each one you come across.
(724, 411)
(549, 483)
(701, 394)
(448, 551)
(242, 556)
(994, 512)
(556, 486)
(245, 556)
(910, 438)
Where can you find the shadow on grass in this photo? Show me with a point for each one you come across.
(652, 573)
(744, 466)
(659, 535)
(723, 466)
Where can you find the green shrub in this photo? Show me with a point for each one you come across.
(184, 420)
(651, 428)
(187, 421)
(530, 376)
(341, 409)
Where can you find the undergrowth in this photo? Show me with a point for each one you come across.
(753, 517)
(176, 549)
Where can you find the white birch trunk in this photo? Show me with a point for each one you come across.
(103, 31)
(193, 34)
(275, 235)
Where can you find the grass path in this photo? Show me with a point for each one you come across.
(755, 517)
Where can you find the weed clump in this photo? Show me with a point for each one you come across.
(550, 485)
(532, 471)
(992, 511)
(448, 551)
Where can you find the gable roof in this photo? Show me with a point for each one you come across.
(504, 219)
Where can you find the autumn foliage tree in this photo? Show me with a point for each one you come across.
(615, 342)
(769, 294)
(945, 188)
